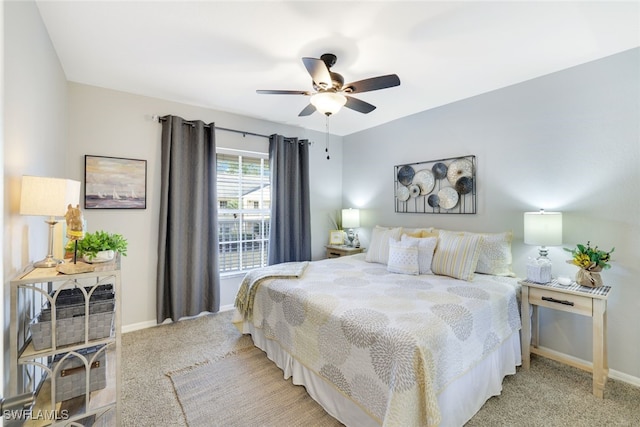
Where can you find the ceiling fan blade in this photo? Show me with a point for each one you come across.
(283, 92)
(318, 71)
(374, 83)
(358, 105)
(307, 111)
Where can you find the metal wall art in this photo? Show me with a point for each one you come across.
(445, 186)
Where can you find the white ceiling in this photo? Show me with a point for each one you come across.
(216, 54)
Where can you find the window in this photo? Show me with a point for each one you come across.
(244, 200)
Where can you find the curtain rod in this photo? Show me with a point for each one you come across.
(244, 133)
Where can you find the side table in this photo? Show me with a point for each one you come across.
(590, 302)
(336, 251)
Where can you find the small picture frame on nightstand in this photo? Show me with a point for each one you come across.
(336, 237)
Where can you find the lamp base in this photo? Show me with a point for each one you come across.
(48, 262)
(350, 237)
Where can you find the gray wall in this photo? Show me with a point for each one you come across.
(34, 130)
(568, 141)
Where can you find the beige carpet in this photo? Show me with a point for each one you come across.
(549, 394)
(244, 389)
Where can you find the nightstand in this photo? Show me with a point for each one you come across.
(336, 251)
(590, 302)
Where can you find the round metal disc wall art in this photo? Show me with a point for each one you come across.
(437, 186)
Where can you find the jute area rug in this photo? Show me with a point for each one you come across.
(244, 388)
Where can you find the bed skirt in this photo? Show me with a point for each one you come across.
(458, 403)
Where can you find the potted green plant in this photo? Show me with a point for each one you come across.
(100, 246)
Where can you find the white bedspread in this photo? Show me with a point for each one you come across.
(390, 343)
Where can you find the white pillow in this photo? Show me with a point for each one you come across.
(379, 246)
(495, 254)
(456, 254)
(403, 257)
(426, 247)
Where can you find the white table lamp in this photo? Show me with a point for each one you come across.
(49, 197)
(543, 229)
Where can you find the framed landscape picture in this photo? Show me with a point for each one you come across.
(114, 183)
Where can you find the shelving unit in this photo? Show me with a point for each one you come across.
(45, 372)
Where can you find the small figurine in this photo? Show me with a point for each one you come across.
(75, 227)
(75, 232)
(356, 242)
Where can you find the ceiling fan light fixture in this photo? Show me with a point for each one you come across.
(328, 103)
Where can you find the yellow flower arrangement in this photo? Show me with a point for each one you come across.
(590, 258)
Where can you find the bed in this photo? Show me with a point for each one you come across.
(375, 346)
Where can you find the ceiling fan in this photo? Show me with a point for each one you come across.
(329, 91)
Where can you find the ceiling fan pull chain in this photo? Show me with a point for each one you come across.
(326, 146)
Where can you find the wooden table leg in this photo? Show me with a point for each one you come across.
(526, 328)
(600, 368)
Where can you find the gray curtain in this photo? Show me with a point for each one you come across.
(290, 226)
(188, 277)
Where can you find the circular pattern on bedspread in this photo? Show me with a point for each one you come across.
(376, 271)
(361, 325)
(490, 343)
(469, 292)
(415, 284)
(514, 314)
(459, 319)
(335, 376)
(333, 344)
(350, 281)
(282, 334)
(366, 390)
(277, 289)
(393, 359)
(318, 317)
(264, 308)
(341, 265)
(293, 306)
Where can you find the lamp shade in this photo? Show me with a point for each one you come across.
(48, 196)
(328, 102)
(543, 228)
(350, 218)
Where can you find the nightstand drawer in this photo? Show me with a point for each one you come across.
(561, 301)
(339, 251)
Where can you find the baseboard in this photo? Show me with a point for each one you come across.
(138, 326)
(625, 378)
(581, 363)
(151, 323)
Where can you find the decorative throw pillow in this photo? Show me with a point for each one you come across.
(403, 257)
(426, 246)
(495, 254)
(379, 246)
(416, 232)
(456, 254)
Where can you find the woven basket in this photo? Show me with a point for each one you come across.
(70, 324)
(71, 373)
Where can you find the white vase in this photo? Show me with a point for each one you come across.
(101, 256)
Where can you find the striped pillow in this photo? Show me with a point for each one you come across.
(403, 257)
(379, 246)
(456, 255)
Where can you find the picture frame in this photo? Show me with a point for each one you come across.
(336, 237)
(114, 183)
